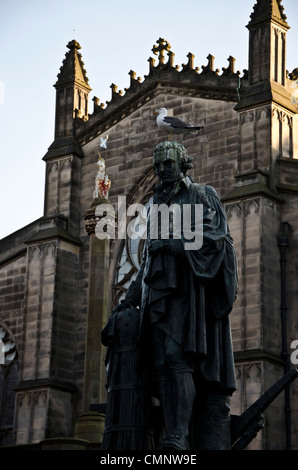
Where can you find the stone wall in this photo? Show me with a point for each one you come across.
(12, 297)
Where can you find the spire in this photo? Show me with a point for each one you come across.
(72, 95)
(271, 10)
(72, 70)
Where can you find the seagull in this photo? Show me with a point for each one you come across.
(172, 124)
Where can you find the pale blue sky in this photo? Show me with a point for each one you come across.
(115, 37)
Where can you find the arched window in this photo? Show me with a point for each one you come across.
(130, 251)
(130, 258)
(9, 379)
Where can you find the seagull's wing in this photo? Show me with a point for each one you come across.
(176, 123)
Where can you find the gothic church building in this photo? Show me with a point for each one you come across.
(59, 281)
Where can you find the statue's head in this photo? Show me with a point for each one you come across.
(171, 161)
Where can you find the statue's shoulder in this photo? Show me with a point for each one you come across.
(207, 190)
(198, 187)
(210, 191)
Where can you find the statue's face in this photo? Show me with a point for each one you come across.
(168, 171)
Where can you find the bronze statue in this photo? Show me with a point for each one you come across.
(184, 298)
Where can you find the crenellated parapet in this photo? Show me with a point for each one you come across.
(205, 82)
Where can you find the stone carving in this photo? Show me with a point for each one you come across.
(128, 420)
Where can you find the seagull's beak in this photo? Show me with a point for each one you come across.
(155, 112)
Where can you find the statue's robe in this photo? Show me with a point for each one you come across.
(189, 294)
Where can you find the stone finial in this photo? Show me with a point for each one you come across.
(171, 58)
(95, 101)
(190, 64)
(190, 57)
(231, 68)
(97, 105)
(73, 45)
(163, 46)
(115, 94)
(134, 82)
(209, 68)
(151, 64)
(133, 79)
(294, 74)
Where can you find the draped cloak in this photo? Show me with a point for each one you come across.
(190, 294)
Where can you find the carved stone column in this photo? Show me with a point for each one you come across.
(46, 394)
(91, 423)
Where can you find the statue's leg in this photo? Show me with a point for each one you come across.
(164, 380)
(165, 388)
(215, 429)
(184, 395)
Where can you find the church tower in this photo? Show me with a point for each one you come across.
(268, 93)
(259, 206)
(46, 388)
(63, 159)
(267, 44)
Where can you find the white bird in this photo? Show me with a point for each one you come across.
(172, 124)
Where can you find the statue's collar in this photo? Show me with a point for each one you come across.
(185, 181)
